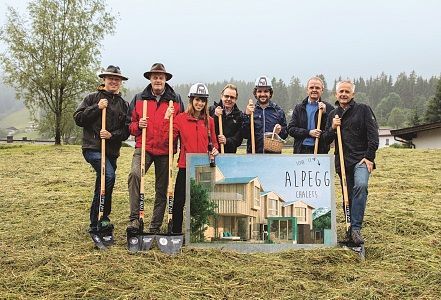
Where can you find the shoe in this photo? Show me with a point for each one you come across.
(105, 223)
(347, 239)
(133, 225)
(356, 237)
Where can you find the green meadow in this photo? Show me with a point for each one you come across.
(46, 252)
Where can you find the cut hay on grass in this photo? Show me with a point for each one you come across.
(46, 253)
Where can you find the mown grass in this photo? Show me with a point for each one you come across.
(46, 253)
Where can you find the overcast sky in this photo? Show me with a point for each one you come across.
(211, 41)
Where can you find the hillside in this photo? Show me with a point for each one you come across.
(18, 119)
(46, 253)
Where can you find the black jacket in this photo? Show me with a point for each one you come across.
(264, 121)
(359, 132)
(298, 126)
(88, 116)
(232, 126)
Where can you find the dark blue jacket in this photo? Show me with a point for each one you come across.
(298, 126)
(359, 132)
(264, 121)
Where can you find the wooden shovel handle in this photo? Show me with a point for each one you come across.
(319, 122)
(343, 179)
(221, 132)
(170, 193)
(103, 166)
(253, 142)
(170, 152)
(143, 142)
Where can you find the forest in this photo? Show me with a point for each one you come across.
(407, 100)
(396, 103)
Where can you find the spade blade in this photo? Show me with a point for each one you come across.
(170, 243)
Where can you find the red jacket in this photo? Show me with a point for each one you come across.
(156, 143)
(193, 135)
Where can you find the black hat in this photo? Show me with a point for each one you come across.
(112, 71)
(158, 68)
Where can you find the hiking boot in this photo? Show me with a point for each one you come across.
(356, 237)
(347, 239)
(105, 223)
(133, 226)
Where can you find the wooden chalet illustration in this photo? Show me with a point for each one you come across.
(243, 209)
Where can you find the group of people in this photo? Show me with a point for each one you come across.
(198, 130)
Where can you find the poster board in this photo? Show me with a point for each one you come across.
(261, 203)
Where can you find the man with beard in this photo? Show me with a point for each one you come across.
(157, 94)
(232, 119)
(268, 116)
(303, 124)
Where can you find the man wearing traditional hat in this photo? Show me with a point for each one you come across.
(157, 94)
(88, 115)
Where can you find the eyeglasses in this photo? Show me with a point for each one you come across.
(229, 97)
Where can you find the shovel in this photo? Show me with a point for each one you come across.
(102, 237)
(359, 249)
(170, 243)
(253, 142)
(221, 132)
(319, 121)
(139, 240)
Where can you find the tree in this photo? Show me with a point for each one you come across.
(386, 105)
(397, 117)
(296, 91)
(280, 95)
(201, 209)
(433, 111)
(322, 222)
(53, 61)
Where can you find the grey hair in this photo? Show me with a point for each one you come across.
(337, 86)
(315, 78)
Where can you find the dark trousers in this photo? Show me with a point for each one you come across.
(94, 159)
(179, 201)
(307, 149)
(161, 182)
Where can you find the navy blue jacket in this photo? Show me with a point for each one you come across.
(264, 121)
(298, 126)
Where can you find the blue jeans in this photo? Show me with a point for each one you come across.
(357, 178)
(94, 159)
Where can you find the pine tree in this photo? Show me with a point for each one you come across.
(433, 111)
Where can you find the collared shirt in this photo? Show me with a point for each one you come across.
(158, 97)
(311, 109)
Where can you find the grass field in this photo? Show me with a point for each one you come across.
(46, 253)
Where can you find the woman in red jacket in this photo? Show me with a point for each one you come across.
(196, 132)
